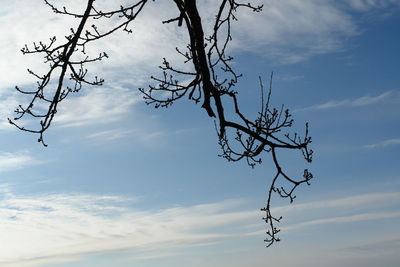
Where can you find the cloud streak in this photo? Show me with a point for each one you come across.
(294, 31)
(345, 202)
(11, 161)
(345, 219)
(8, 103)
(349, 103)
(98, 106)
(386, 143)
(366, 5)
(291, 30)
(70, 226)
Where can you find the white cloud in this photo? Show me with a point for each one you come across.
(346, 202)
(131, 59)
(70, 226)
(74, 225)
(16, 160)
(110, 134)
(293, 31)
(131, 55)
(98, 106)
(8, 103)
(146, 136)
(289, 31)
(366, 5)
(20, 26)
(358, 102)
(345, 219)
(328, 211)
(389, 142)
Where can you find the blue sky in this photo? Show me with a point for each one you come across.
(124, 184)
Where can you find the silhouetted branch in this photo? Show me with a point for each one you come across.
(212, 82)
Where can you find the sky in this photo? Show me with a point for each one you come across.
(124, 184)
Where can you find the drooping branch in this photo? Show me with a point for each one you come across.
(212, 81)
(253, 136)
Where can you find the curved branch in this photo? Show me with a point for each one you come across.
(212, 82)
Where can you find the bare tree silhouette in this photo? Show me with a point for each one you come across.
(212, 82)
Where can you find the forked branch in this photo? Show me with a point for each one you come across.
(211, 81)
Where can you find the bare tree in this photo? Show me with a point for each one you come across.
(212, 82)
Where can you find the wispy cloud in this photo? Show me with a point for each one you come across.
(366, 5)
(8, 103)
(288, 78)
(98, 106)
(145, 135)
(292, 32)
(26, 29)
(389, 142)
(70, 226)
(10, 161)
(344, 202)
(295, 31)
(358, 102)
(109, 135)
(114, 134)
(131, 56)
(346, 219)
(307, 212)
